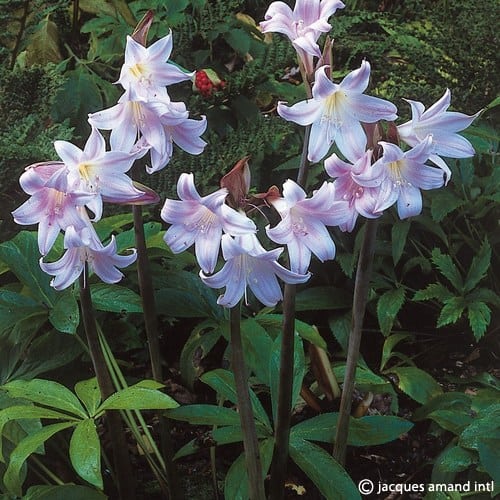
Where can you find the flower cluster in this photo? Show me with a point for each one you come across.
(64, 193)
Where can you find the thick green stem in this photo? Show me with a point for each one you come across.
(151, 326)
(361, 288)
(250, 441)
(125, 480)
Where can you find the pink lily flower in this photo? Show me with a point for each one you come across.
(52, 208)
(405, 174)
(443, 125)
(201, 220)
(146, 70)
(361, 198)
(249, 265)
(84, 246)
(99, 172)
(303, 225)
(303, 25)
(336, 112)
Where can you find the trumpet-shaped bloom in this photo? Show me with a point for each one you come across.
(303, 225)
(304, 24)
(405, 174)
(84, 246)
(443, 125)
(52, 208)
(360, 198)
(99, 172)
(201, 220)
(249, 265)
(146, 70)
(336, 112)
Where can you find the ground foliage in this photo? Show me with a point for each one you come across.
(431, 339)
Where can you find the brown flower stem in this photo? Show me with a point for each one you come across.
(250, 441)
(361, 288)
(125, 479)
(151, 326)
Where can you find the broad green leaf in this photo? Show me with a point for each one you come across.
(65, 315)
(115, 298)
(364, 376)
(201, 414)
(443, 203)
(418, 384)
(433, 291)
(24, 449)
(399, 233)
(15, 307)
(479, 266)
(482, 428)
(63, 492)
(138, 398)
(20, 412)
(21, 255)
(341, 329)
(85, 452)
(451, 420)
(388, 307)
(489, 453)
(457, 401)
(47, 393)
(484, 398)
(109, 225)
(239, 40)
(43, 45)
(126, 239)
(299, 370)
(454, 459)
(201, 341)
(389, 344)
(222, 382)
(328, 475)
(322, 298)
(366, 431)
(89, 393)
(447, 268)
(451, 311)
(479, 315)
(257, 345)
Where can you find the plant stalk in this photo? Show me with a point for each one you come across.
(125, 480)
(361, 288)
(151, 326)
(250, 441)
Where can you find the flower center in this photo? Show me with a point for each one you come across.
(333, 109)
(204, 223)
(395, 169)
(299, 227)
(88, 177)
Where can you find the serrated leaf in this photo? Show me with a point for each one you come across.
(443, 203)
(479, 266)
(451, 311)
(24, 449)
(201, 414)
(43, 44)
(448, 269)
(399, 233)
(85, 452)
(138, 398)
(389, 344)
(328, 475)
(115, 298)
(418, 384)
(65, 315)
(89, 393)
(479, 315)
(388, 307)
(433, 291)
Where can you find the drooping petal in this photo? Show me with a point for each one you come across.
(69, 153)
(409, 202)
(299, 255)
(303, 112)
(335, 167)
(186, 188)
(323, 87)
(351, 140)
(370, 109)
(263, 283)
(235, 223)
(178, 238)
(423, 176)
(323, 135)
(207, 247)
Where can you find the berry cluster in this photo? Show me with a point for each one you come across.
(206, 81)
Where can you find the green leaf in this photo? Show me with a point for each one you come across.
(126, 239)
(433, 291)
(489, 453)
(15, 307)
(47, 393)
(115, 298)
(138, 398)
(222, 381)
(457, 401)
(257, 345)
(479, 315)
(451, 311)
(89, 393)
(63, 492)
(21, 255)
(443, 203)
(43, 45)
(24, 449)
(328, 475)
(399, 233)
(388, 307)
(481, 428)
(418, 384)
(239, 40)
(85, 452)
(479, 266)
(109, 225)
(299, 370)
(65, 316)
(451, 419)
(448, 269)
(322, 298)
(454, 459)
(389, 344)
(201, 341)
(201, 414)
